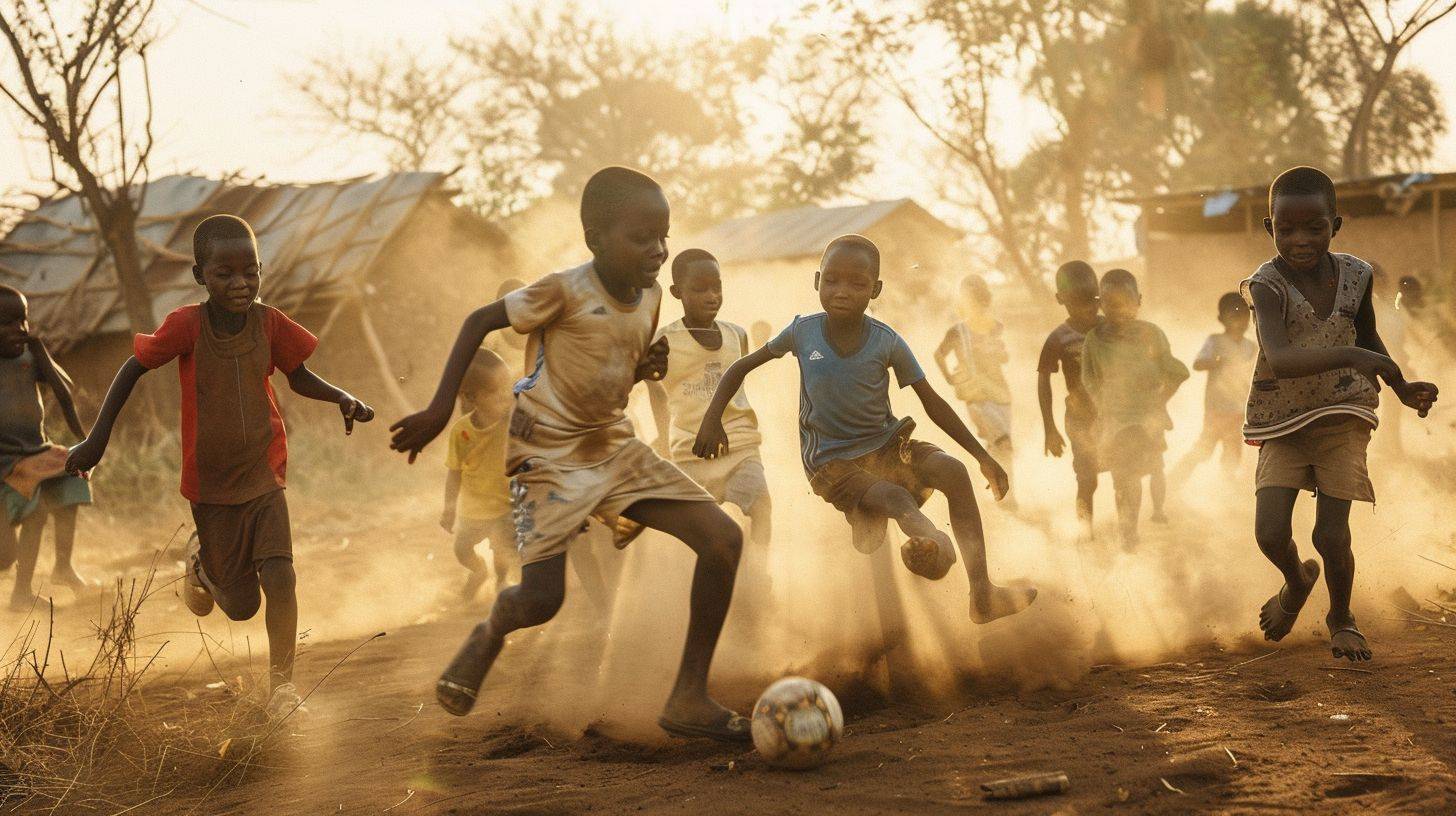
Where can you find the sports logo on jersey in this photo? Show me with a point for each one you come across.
(601, 310)
(815, 355)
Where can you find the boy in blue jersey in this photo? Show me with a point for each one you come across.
(857, 454)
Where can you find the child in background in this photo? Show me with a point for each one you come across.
(760, 332)
(701, 347)
(33, 468)
(1130, 372)
(975, 342)
(1228, 357)
(509, 346)
(1313, 400)
(234, 449)
(857, 454)
(572, 451)
(1077, 293)
(477, 492)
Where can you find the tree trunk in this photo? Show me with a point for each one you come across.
(1356, 153)
(118, 229)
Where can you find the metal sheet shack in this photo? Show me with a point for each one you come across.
(1201, 243)
(769, 259)
(382, 269)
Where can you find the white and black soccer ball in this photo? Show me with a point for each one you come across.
(796, 723)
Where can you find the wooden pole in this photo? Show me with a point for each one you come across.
(386, 371)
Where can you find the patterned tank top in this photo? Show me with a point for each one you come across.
(1282, 406)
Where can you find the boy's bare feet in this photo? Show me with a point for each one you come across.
(690, 716)
(23, 601)
(69, 577)
(460, 683)
(1280, 612)
(1159, 517)
(1347, 642)
(285, 701)
(929, 557)
(998, 602)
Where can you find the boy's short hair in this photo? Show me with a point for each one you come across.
(484, 369)
(1230, 302)
(859, 242)
(607, 190)
(975, 285)
(7, 290)
(1076, 275)
(508, 286)
(1303, 180)
(687, 258)
(216, 228)
(1119, 279)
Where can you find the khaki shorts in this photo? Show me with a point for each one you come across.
(235, 538)
(844, 482)
(550, 505)
(1326, 458)
(737, 478)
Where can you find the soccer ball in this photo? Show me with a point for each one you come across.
(796, 723)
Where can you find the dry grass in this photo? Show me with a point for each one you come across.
(92, 739)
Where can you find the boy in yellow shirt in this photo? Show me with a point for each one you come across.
(477, 491)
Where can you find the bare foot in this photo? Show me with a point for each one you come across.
(458, 685)
(698, 715)
(1159, 517)
(998, 602)
(69, 577)
(23, 601)
(1347, 642)
(1280, 612)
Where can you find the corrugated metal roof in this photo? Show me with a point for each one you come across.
(796, 233)
(316, 242)
(1346, 187)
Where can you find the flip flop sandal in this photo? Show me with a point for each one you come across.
(453, 697)
(734, 728)
(1343, 653)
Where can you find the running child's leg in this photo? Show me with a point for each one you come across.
(9, 548)
(1086, 490)
(760, 522)
(469, 533)
(1158, 490)
(1127, 490)
(1201, 450)
(280, 586)
(988, 601)
(532, 602)
(588, 569)
(27, 551)
(888, 500)
(1332, 541)
(1233, 446)
(65, 533)
(1273, 512)
(718, 543)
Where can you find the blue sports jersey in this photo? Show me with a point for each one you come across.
(844, 402)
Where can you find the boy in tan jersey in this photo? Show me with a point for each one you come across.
(572, 452)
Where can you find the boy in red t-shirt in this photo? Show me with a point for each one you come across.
(234, 450)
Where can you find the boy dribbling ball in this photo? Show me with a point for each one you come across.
(1313, 400)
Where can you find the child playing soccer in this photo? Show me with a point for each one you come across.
(477, 493)
(1130, 372)
(1313, 401)
(1077, 293)
(857, 454)
(975, 342)
(234, 448)
(33, 469)
(1228, 357)
(572, 452)
(701, 348)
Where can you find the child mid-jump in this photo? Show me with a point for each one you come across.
(572, 452)
(857, 454)
(35, 484)
(234, 450)
(1313, 400)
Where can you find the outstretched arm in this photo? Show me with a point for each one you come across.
(712, 440)
(305, 383)
(943, 352)
(949, 421)
(1417, 395)
(415, 431)
(51, 373)
(85, 455)
(1287, 361)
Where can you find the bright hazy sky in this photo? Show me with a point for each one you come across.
(222, 102)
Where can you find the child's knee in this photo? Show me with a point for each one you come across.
(1272, 533)
(277, 578)
(1331, 537)
(465, 552)
(946, 473)
(534, 606)
(722, 541)
(239, 603)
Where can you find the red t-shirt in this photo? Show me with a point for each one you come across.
(234, 427)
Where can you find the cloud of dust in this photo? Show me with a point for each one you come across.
(1197, 581)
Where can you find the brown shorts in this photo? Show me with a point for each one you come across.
(844, 482)
(1082, 439)
(1326, 458)
(235, 538)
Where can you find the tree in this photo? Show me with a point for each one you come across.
(1375, 34)
(73, 83)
